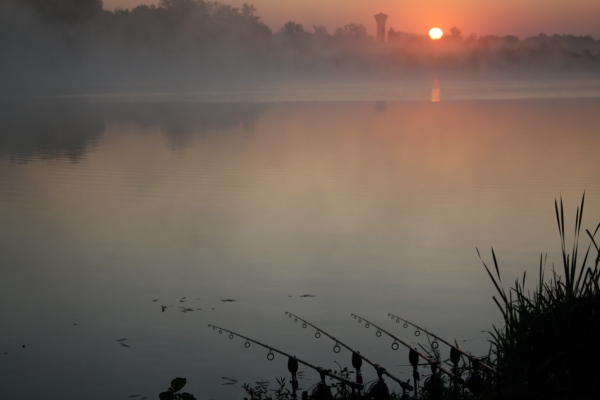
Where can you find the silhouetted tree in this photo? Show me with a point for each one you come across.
(66, 10)
(455, 32)
(184, 5)
(320, 30)
(292, 32)
(352, 31)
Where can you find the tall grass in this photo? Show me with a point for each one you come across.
(549, 346)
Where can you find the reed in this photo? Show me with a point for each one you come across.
(549, 346)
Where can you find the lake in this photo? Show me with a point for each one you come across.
(112, 206)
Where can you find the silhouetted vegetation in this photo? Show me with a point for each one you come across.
(548, 347)
(78, 40)
(173, 392)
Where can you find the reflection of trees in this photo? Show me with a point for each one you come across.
(48, 131)
(180, 121)
(69, 131)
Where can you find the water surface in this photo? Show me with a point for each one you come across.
(373, 207)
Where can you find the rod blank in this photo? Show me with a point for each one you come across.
(355, 353)
(320, 370)
(433, 363)
(474, 359)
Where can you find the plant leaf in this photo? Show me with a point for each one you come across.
(166, 396)
(178, 383)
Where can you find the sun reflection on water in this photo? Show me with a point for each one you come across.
(435, 91)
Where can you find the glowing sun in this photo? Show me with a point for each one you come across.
(435, 33)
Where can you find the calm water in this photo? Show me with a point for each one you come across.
(372, 207)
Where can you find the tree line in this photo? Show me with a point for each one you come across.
(54, 35)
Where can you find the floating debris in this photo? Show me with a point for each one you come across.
(308, 295)
(133, 395)
(154, 300)
(228, 383)
(123, 344)
(75, 324)
(120, 340)
(228, 300)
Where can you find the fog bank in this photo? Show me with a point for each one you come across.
(186, 42)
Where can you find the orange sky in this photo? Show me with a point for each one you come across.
(498, 17)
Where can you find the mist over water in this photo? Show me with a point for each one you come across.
(185, 154)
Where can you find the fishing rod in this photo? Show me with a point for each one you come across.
(414, 353)
(356, 356)
(292, 362)
(453, 357)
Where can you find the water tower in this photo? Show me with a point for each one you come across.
(380, 19)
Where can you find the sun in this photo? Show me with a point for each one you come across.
(435, 33)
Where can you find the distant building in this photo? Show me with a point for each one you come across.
(380, 19)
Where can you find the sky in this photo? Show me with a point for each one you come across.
(490, 17)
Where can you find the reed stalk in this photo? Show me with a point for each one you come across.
(549, 346)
